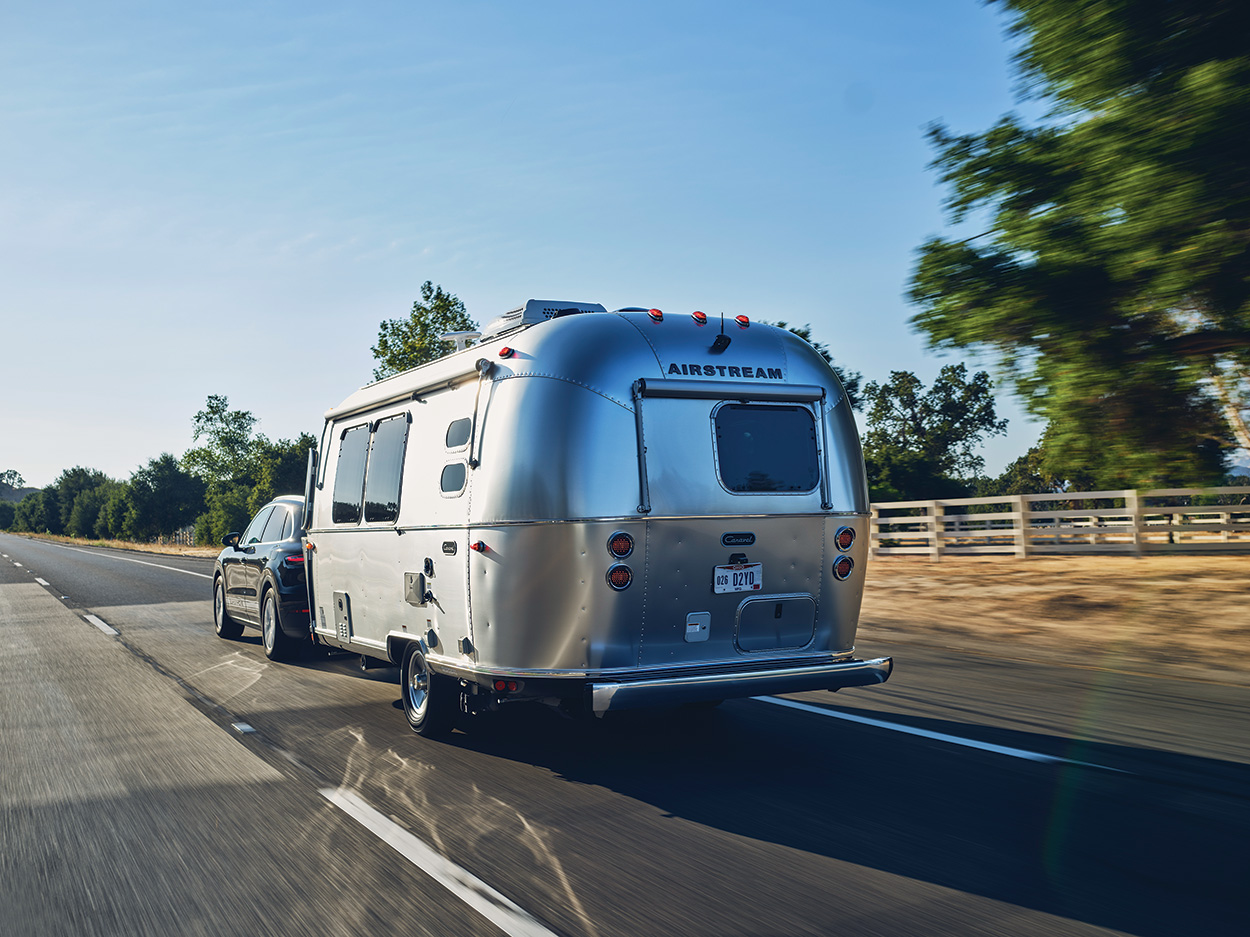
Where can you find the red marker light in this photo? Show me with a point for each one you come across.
(620, 576)
(506, 352)
(842, 568)
(621, 545)
(500, 685)
(700, 318)
(844, 538)
(477, 546)
(656, 315)
(742, 321)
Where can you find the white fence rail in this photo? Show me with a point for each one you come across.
(1134, 522)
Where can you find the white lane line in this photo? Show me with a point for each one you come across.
(103, 626)
(42, 582)
(936, 736)
(16, 563)
(126, 559)
(508, 916)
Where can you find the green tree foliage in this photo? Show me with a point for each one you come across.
(69, 485)
(241, 472)
(10, 481)
(7, 512)
(162, 498)
(227, 441)
(1113, 281)
(921, 443)
(850, 380)
(406, 343)
(39, 512)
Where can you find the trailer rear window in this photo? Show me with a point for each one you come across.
(766, 448)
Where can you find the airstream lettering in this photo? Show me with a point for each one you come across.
(599, 510)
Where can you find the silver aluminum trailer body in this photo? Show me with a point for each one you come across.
(496, 480)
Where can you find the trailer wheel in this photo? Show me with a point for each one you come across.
(431, 701)
(225, 626)
(277, 644)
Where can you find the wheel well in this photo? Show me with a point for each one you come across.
(397, 646)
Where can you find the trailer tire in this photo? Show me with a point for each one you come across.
(431, 701)
(225, 626)
(277, 644)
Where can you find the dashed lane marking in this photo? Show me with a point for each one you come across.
(505, 914)
(102, 625)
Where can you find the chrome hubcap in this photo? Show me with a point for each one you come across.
(418, 686)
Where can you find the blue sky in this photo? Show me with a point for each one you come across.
(229, 198)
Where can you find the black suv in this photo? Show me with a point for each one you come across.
(259, 579)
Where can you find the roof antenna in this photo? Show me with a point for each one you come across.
(722, 340)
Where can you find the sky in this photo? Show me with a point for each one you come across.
(229, 198)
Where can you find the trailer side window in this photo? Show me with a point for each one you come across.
(454, 477)
(766, 448)
(349, 476)
(386, 469)
(458, 433)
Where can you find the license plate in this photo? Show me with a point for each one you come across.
(743, 577)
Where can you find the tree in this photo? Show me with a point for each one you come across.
(7, 512)
(406, 343)
(1113, 282)
(162, 498)
(10, 482)
(922, 444)
(227, 436)
(39, 512)
(850, 380)
(280, 468)
(69, 484)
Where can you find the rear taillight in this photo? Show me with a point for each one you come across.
(295, 559)
(843, 566)
(620, 576)
(844, 538)
(621, 544)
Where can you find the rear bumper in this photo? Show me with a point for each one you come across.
(672, 691)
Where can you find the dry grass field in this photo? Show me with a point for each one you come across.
(1180, 615)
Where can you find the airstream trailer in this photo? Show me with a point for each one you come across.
(600, 510)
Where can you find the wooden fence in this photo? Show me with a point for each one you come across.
(1163, 520)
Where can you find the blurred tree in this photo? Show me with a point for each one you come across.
(922, 444)
(406, 343)
(7, 511)
(850, 380)
(1113, 282)
(10, 481)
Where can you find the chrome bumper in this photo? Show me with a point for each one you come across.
(672, 691)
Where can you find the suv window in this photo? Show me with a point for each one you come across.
(386, 469)
(273, 529)
(349, 476)
(255, 529)
(766, 448)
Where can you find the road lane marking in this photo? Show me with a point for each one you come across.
(103, 626)
(505, 914)
(126, 559)
(936, 736)
(16, 563)
(42, 582)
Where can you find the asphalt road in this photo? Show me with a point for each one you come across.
(969, 795)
